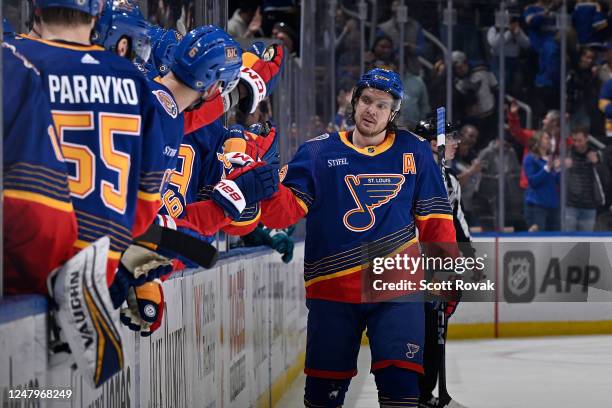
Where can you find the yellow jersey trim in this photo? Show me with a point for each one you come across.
(148, 196)
(369, 150)
(40, 199)
(439, 216)
(83, 244)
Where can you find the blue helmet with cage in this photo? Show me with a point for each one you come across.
(205, 56)
(119, 19)
(384, 80)
(163, 43)
(91, 7)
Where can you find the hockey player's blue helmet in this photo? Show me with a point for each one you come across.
(121, 19)
(205, 56)
(91, 7)
(163, 43)
(384, 80)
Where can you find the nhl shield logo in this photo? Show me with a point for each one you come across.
(412, 350)
(519, 276)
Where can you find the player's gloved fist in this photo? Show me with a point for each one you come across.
(137, 265)
(259, 142)
(245, 186)
(259, 74)
(145, 308)
(283, 244)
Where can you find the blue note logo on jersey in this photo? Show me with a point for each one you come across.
(369, 191)
(412, 350)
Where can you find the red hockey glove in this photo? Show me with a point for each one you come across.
(259, 74)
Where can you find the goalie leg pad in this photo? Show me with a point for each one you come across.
(87, 319)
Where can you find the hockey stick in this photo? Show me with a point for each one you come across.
(185, 245)
(443, 396)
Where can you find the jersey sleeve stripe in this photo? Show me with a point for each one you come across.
(80, 244)
(39, 171)
(39, 198)
(430, 216)
(148, 196)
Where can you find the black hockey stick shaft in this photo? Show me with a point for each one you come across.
(200, 252)
(443, 396)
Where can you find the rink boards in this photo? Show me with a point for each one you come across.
(234, 336)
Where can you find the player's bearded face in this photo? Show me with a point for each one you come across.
(373, 111)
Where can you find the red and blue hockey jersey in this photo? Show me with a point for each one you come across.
(359, 203)
(38, 219)
(110, 134)
(200, 166)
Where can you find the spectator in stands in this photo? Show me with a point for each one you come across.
(286, 35)
(543, 176)
(383, 52)
(551, 124)
(548, 78)
(482, 112)
(583, 88)
(414, 40)
(468, 168)
(515, 40)
(541, 21)
(586, 177)
(343, 101)
(604, 70)
(605, 105)
(465, 91)
(487, 194)
(589, 22)
(415, 105)
(246, 20)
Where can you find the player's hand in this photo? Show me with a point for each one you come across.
(145, 309)
(283, 244)
(137, 266)
(246, 186)
(259, 143)
(259, 74)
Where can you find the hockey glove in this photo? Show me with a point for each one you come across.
(145, 308)
(245, 186)
(137, 266)
(259, 142)
(283, 244)
(259, 74)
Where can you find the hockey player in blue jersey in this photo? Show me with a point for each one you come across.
(106, 123)
(364, 194)
(38, 217)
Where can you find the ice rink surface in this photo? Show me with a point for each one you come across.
(538, 372)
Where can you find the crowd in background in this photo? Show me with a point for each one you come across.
(532, 49)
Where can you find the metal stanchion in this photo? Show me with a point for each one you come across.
(502, 22)
(402, 18)
(563, 105)
(332, 58)
(363, 14)
(449, 21)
